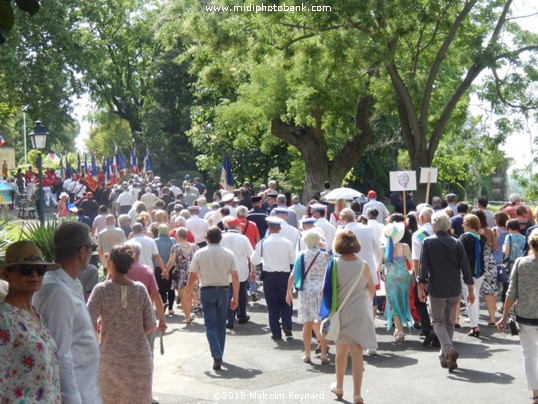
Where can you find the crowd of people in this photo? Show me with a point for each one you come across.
(164, 248)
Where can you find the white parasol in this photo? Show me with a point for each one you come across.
(344, 193)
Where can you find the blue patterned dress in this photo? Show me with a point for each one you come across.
(397, 284)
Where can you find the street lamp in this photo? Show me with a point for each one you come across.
(38, 137)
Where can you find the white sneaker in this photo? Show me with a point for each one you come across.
(371, 352)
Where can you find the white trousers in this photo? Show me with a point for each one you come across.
(473, 308)
(528, 336)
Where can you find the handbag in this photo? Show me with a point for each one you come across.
(503, 271)
(330, 327)
(514, 326)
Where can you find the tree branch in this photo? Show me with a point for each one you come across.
(428, 88)
(498, 84)
(472, 74)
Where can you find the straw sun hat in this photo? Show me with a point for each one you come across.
(25, 252)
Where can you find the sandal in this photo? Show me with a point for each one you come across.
(339, 393)
(399, 337)
(534, 399)
(325, 361)
(358, 400)
(307, 359)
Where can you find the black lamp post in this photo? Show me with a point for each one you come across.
(38, 137)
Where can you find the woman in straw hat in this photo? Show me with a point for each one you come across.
(397, 279)
(28, 353)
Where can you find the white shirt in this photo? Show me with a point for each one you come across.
(149, 199)
(241, 248)
(299, 210)
(149, 249)
(63, 308)
(290, 232)
(125, 199)
(275, 252)
(380, 207)
(66, 183)
(329, 231)
(366, 237)
(198, 227)
(378, 230)
(99, 222)
(214, 265)
(176, 191)
(416, 250)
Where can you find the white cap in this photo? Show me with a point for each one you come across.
(274, 221)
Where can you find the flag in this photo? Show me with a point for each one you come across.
(226, 178)
(122, 164)
(91, 173)
(85, 171)
(62, 170)
(68, 169)
(111, 173)
(134, 161)
(53, 157)
(147, 167)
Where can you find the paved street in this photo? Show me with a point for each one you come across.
(259, 370)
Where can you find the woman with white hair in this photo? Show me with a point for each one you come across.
(307, 277)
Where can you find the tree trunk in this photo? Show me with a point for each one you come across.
(312, 145)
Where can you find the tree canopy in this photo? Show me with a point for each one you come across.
(320, 82)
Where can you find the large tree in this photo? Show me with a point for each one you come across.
(320, 81)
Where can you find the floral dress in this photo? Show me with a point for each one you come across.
(28, 357)
(180, 272)
(311, 293)
(489, 285)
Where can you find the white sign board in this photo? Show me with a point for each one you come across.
(403, 181)
(428, 174)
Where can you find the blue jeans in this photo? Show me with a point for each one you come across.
(275, 286)
(215, 305)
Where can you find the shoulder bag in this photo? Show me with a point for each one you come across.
(330, 327)
(503, 271)
(103, 332)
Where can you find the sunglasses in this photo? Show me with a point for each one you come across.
(28, 270)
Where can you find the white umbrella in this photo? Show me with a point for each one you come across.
(347, 194)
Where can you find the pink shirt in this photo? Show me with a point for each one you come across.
(144, 274)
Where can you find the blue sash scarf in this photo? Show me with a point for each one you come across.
(477, 251)
(329, 303)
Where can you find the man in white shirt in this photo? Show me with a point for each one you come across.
(318, 212)
(426, 229)
(197, 226)
(149, 251)
(99, 223)
(213, 265)
(109, 237)
(291, 217)
(366, 237)
(124, 201)
(286, 230)
(61, 304)
(380, 206)
(240, 245)
(278, 256)
(149, 199)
